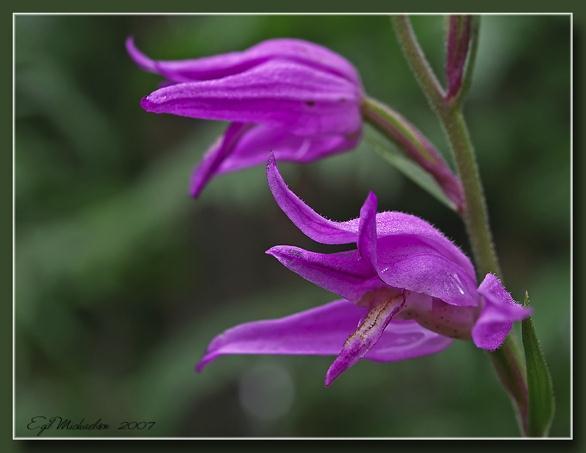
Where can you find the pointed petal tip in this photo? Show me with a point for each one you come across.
(197, 184)
(137, 56)
(371, 202)
(278, 251)
(195, 191)
(129, 43)
(273, 175)
(208, 357)
(333, 373)
(147, 104)
(372, 197)
(154, 104)
(203, 362)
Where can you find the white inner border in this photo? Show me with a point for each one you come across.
(15, 14)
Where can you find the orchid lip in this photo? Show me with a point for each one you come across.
(366, 335)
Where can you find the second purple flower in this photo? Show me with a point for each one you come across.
(287, 96)
(407, 292)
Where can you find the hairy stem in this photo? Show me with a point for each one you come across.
(475, 215)
(505, 360)
(417, 61)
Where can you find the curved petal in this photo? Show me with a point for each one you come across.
(322, 331)
(248, 145)
(342, 273)
(305, 101)
(497, 316)
(388, 224)
(215, 156)
(218, 66)
(306, 219)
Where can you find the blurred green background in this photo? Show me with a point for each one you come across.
(122, 279)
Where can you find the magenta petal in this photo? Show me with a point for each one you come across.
(218, 66)
(305, 101)
(398, 224)
(341, 273)
(141, 60)
(260, 141)
(497, 316)
(248, 145)
(318, 331)
(413, 263)
(388, 225)
(306, 219)
(367, 334)
(322, 331)
(408, 252)
(215, 156)
(416, 262)
(367, 234)
(406, 340)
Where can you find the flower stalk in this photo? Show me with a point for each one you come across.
(506, 360)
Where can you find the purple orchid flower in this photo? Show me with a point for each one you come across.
(407, 292)
(287, 96)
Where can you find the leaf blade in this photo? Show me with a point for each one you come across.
(540, 386)
(410, 169)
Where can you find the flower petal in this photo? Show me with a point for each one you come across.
(227, 64)
(306, 101)
(367, 235)
(408, 253)
(416, 264)
(215, 157)
(497, 316)
(406, 340)
(342, 273)
(246, 145)
(306, 219)
(388, 224)
(365, 336)
(322, 331)
(255, 147)
(398, 224)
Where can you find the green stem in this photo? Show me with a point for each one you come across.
(506, 360)
(416, 59)
(511, 372)
(475, 215)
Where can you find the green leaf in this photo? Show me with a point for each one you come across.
(541, 397)
(408, 168)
